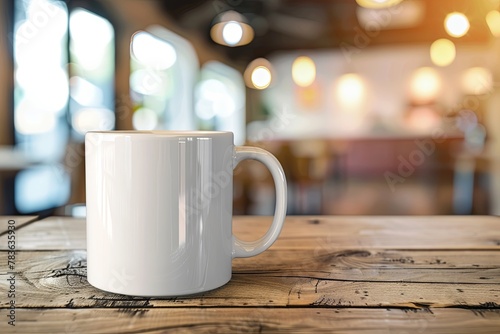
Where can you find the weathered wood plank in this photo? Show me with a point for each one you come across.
(392, 259)
(324, 274)
(437, 232)
(58, 279)
(384, 232)
(17, 221)
(51, 233)
(253, 320)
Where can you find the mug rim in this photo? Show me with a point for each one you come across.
(163, 133)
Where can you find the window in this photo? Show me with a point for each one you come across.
(63, 87)
(164, 68)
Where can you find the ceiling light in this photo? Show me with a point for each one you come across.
(258, 74)
(378, 3)
(261, 77)
(409, 15)
(231, 29)
(232, 32)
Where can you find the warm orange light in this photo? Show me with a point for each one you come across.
(378, 3)
(456, 24)
(493, 20)
(351, 91)
(309, 97)
(477, 81)
(303, 71)
(258, 74)
(425, 85)
(231, 30)
(443, 52)
(261, 77)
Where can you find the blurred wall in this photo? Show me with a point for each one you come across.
(387, 73)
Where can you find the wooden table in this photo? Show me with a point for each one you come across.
(437, 274)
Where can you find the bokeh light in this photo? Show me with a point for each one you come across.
(93, 119)
(378, 3)
(493, 21)
(30, 119)
(303, 71)
(456, 24)
(232, 32)
(90, 37)
(443, 52)
(477, 81)
(261, 77)
(48, 86)
(40, 187)
(351, 90)
(152, 52)
(41, 91)
(213, 98)
(231, 29)
(144, 119)
(150, 82)
(425, 85)
(85, 93)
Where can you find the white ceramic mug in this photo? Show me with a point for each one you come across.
(159, 210)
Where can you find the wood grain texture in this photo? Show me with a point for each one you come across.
(324, 274)
(353, 278)
(51, 233)
(322, 232)
(20, 221)
(254, 320)
(383, 232)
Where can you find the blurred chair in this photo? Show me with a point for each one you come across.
(310, 162)
(475, 159)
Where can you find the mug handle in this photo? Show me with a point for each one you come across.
(251, 248)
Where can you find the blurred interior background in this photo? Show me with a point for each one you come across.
(372, 106)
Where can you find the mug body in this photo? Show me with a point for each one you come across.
(159, 210)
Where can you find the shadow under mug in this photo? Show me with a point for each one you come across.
(159, 210)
